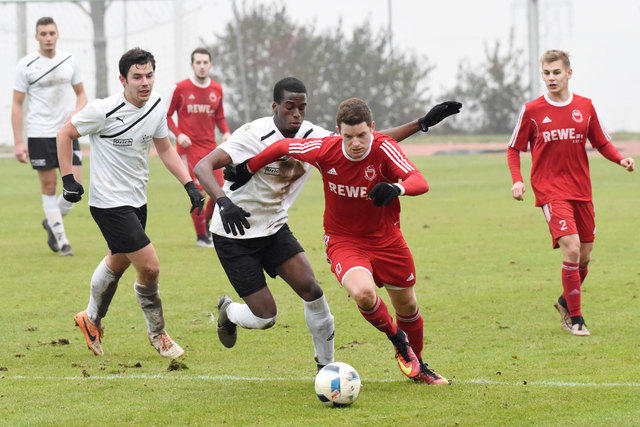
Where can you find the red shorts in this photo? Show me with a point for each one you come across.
(391, 265)
(191, 156)
(570, 217)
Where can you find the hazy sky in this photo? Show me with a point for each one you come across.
(601, 36)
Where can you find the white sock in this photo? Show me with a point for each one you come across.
(320, 323)
(104, 283)
(64, 205)
(241, 315)
(54, 218)
(149, 300)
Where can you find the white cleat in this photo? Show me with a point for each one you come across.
(166, 346)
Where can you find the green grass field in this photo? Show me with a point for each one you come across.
(487, 280)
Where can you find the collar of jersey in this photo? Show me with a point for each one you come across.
(559, 104)
(344, 151)
(200, 85)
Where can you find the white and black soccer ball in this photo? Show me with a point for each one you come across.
(338, 384)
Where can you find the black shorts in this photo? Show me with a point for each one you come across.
(244, 259)
(44, 153)
(122, 227)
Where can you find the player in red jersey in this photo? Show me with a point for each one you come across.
(556, 127)
(360, 170)
(198, 101)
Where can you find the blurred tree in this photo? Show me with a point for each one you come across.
(332, 65)
(492, 93)
(96, 12)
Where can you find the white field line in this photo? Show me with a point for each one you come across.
(480, 381)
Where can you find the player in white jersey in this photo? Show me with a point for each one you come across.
(53, 82)
(268, 244)
(121, 129)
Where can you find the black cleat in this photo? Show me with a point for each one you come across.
(51, 239)
(227, 330)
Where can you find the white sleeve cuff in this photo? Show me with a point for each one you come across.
(400, 187)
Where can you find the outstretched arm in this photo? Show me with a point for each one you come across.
(433, 117)
(305, 150)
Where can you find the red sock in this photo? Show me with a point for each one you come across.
(380, 318)
(208, 210)
(412, 326)
(571, 286)
(583, 273)
(199, 222)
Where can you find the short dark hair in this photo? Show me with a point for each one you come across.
(290, 84)
(354, 111)
(135, 56)
(45, 20)
(202, 51)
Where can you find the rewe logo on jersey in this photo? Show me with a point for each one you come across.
(546, 119)
(199, 108)
(351, 191)
(562, 135)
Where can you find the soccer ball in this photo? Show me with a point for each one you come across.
(337, 384)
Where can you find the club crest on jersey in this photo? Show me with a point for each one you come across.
(576, 115)
(212, 97)
(370, 173)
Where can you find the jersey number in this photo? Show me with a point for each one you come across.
(563, 224)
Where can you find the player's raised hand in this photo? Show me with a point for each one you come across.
(383, 193)
(628, 163)
(438, 113)
(238, 174)
(72, 190)
(233, 217)
(517, 190)
(196, 197)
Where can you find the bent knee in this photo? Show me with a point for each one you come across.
(365, 298)
(266, 323)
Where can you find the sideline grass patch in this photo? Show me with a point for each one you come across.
(487, 279)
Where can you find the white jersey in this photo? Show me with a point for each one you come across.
(121, 135)
(48, 82)
(269, 194)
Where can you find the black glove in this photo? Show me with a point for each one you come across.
(238, 174)
(383, 193)
(438, 113)
(72, 190)
(232, 216)
(197, 199)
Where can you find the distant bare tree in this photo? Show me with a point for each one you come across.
(333, 65)
(492, 93)
(96, 12)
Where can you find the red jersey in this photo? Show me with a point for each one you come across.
(199, 111)
(348, 210)
(557, 134)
